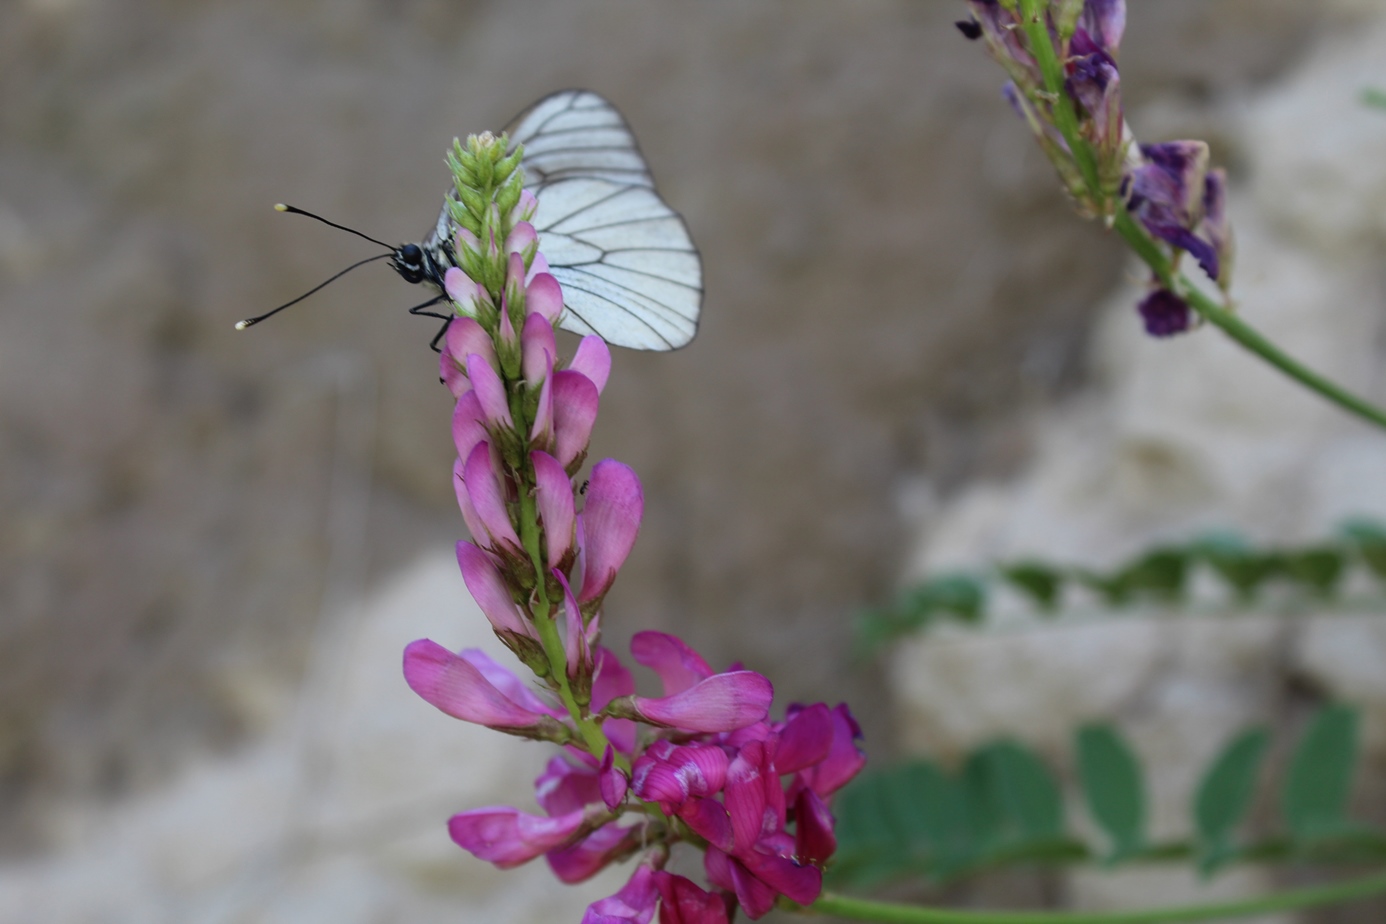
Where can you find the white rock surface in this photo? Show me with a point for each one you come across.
(1177, 437)
(338, 815)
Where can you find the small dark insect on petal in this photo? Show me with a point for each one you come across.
(970, 28)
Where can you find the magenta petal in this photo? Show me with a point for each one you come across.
(610, 522)
(484, 491)
(756, 897)
(541, 434)
(488, 588)
(683, 902)
(504, 679)
(613, 779)
(465, 337)
(805, 739)
(722, 702)
(801, 883)
(464, 502)
(507, 837)
(455, 685)
(611, 679)
(745, 797)
(468, 424)
(554, 498)
(844, 760)
(544, 296)
(656, 781)
(565, 787)
(575, 647)
(677, 665)
(575, 403)
(634, 904)
(591, 855)
(709, 819)
(593, 359)
(490, 391)
(814, 840)
(537, 349)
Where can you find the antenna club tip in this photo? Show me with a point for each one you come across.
(242, 325)
(280, 207)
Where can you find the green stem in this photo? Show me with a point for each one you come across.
(1235, 327)
(1311, 897)
(1035, 20)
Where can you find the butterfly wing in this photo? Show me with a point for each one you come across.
(629, 270)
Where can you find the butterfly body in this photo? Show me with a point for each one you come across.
(626, 263)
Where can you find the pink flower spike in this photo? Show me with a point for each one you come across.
(634, 904)
(677, 665)
(575, 402)
(610, 521)
(455, 685)
(521, 237)
(490, 391)
(487, 586)
(508, 837)
(484, 492)
(722, 702)
(544, 296)
(593, 359)
(805, 739)
(614, 782)
(683, 902)
(468, 424)
(537, 349)
(593, 853)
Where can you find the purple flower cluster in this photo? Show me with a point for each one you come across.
(1167, 187)
(701, 764)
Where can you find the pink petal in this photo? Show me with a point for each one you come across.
(490, 391)
(468, 296)
(454, 685)
(513, 687)
(683, 902)
(593, 359)
(677, 665)
(814, 840)
(634, 904)
(801, 883)
(541, 434)
(710, 820)
(745, 797)
(610, 522)
(507, 837)
(484, 491)
(450, 368)
(544, 295)
(575, 648)
(537, 349)
(465, 337)
(465, 239)
(554, 497)
(488, 588)
(575, 403)
(565, 787)
(805, 739)
(844, 760)
(614, 782)
(537, 267)
(468, 425)
(524, 209)
(521, 236)
(610, 680)
(722, 702)
(591, 855)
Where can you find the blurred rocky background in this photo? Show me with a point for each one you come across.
(213, 545)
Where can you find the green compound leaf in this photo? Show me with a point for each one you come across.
(1038, 581)
(1319, 568)
(1158, 573)
(1242, 567)
(963, 596)
(1225, 794)
(1028, 801)
(1319, 780)
(1112, 788)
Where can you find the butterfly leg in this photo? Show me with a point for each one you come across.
(418, 311)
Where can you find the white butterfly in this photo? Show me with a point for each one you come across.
(629, 271)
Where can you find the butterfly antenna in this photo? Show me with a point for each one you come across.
(281, 207)
(242, 325)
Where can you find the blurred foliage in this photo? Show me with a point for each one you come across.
(1004, 807)
(1163, 575)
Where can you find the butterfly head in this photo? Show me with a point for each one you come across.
(410, 262)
